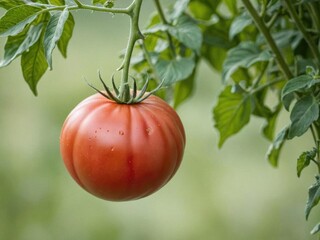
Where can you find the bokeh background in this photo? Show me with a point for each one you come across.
(220, 194)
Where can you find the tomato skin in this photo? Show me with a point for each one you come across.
(121, 152)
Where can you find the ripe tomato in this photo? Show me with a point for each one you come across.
(122, 152)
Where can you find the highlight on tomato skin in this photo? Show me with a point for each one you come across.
(122, 152)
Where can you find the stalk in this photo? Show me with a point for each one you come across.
(266, 33)
(164, 20)
(302, 29)
(135, 34)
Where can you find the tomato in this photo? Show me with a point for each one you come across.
(122, 152)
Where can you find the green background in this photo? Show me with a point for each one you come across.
(228, 194)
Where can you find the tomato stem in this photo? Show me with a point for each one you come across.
(301, 27)
(165, 22)
(134, 36)
(267, 35)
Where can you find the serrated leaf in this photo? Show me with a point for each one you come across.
(239, 23)
(313, 197)
(53, 33)
(303, 114)
(16, 45)
(275, 148)
(316, 229)
(244, 55)
(66, 35)
(304, 160)
(187, 32)
(232, 113)
(34, 65)
(7, 4)
(294, 85)
(15, 19)
(172, 71)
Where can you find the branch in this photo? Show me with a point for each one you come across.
(265, 32)
(302, 29)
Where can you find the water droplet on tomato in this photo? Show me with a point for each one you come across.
(149, 130)
(121, 133)
(112, 149)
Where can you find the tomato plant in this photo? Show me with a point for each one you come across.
(266, 51)
(122, 151)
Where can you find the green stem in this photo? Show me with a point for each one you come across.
(164, 20)
(263, 71)
(266, 33)
(315, 135)
(318, 155)
(302, 29)
(81, 6)
(135, 34)
(267, 85)
(148, 58)
(314, 15)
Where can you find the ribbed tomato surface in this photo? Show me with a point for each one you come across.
(122, 152)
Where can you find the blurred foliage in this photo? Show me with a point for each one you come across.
(227, 194)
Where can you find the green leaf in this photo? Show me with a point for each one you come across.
(203, 9)
(57, 2)
(232, 6)
(66, 35)
(239, 23)
(53, 33)
(171, 71)
(7, 4)
(179, 7)
(16, 45)
(183, 90)
(313, 197)
(15, 19)
(244, 55)
(294, 85)
(232, 113)
(34, 65)
(275, 148)
(303, 114)
(316, 229)
(187, 32)
(269, 128)
(304, 160)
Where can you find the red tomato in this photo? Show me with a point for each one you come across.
(122, 152)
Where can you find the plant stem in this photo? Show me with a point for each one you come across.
(265, 32)
(318, 155)
(314, 135)
(135, 34)
(314, 15)
(82, 6)
(164, 20)
(149, 60)
(302, 29)
(263, 71)
(258, 89)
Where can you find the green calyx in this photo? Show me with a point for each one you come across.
(134, 95)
